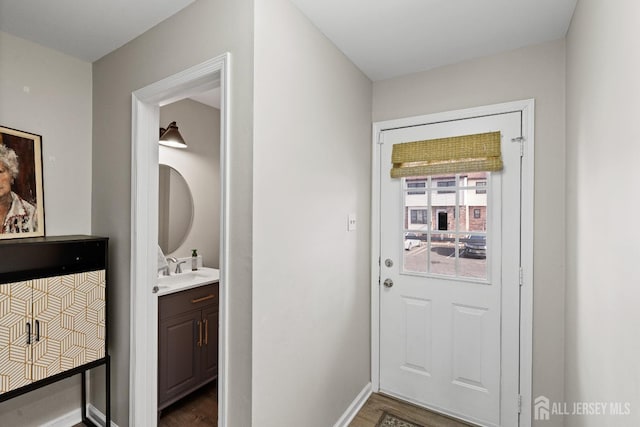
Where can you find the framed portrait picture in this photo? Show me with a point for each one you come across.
(21, 194)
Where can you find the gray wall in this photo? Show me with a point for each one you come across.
(199, 164)
(312, 162)
(603, 292)
(205, 29)
(49, 93)
(533, 72)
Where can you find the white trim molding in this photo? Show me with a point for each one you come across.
(98, 417)
(354, 407)
(526, 107)
(146, 103)
(526, 261)
(75, 417)
(69, 419)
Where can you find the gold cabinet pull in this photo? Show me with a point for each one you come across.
(197, 300)
(206, 332)
(199, 333)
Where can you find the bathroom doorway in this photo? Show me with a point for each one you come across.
(188, 224)
(146, 103)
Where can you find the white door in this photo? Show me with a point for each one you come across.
(450, 255)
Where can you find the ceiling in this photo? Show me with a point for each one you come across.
(86, 29)
(390, 38)
(210, 97)
(384, 38)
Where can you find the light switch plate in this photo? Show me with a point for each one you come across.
(351, 222)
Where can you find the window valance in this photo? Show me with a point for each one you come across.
(459, 154)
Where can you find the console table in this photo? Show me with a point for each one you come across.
(53, 313)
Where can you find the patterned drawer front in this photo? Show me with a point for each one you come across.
(71, 311)
(67, 317)
(15, 354)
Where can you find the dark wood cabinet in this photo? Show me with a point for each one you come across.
(210, 356)
(187, 342)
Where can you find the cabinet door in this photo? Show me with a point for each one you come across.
(210, 343)
(15, 353)
(178, 355)
(68, 313)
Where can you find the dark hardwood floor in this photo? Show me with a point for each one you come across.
(378, 403)
(200, 409)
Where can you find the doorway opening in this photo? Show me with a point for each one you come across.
(146, 103)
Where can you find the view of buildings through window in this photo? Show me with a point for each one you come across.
(445, 225)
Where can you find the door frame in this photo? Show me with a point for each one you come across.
(145, 115)
(526, 107)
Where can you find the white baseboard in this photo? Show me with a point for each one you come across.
(98, 417)
(355, 407)
(74, 417)
(66, 420)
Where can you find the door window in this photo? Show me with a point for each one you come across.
(446, 225)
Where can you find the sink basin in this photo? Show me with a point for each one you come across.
(187, 280)
(176, 278)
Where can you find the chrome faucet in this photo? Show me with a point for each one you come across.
(165, 270)
(178, 267)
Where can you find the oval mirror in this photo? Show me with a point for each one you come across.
(175, 209)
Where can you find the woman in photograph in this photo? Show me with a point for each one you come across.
(16, 214)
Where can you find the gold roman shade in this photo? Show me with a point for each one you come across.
(468, 153)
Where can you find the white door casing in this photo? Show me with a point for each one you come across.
(144, 226)
(462, 347)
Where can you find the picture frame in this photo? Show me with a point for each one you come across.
(21, 189)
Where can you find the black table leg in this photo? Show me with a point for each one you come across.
(84, 395)
(108, 391)
(85, 420)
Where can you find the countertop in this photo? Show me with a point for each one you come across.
(187, 280)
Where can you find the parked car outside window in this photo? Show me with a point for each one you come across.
(475, 247)
(411, 241)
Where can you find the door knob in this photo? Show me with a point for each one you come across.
(388, 283)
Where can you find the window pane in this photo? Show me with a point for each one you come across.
(476, 179)
(445, 225)
(442, 255)
(416, 202)
(443, 208)
(419, 183)
(418, 216)
(473, 257)
(415, 252)
(444, 182)
(473, 211)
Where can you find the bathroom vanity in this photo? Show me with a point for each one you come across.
(187, 334)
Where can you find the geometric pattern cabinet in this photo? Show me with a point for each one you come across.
(69, 310)
(65, 315)
(53, 312)
(15, 357)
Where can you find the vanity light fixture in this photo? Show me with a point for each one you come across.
(171, 137)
